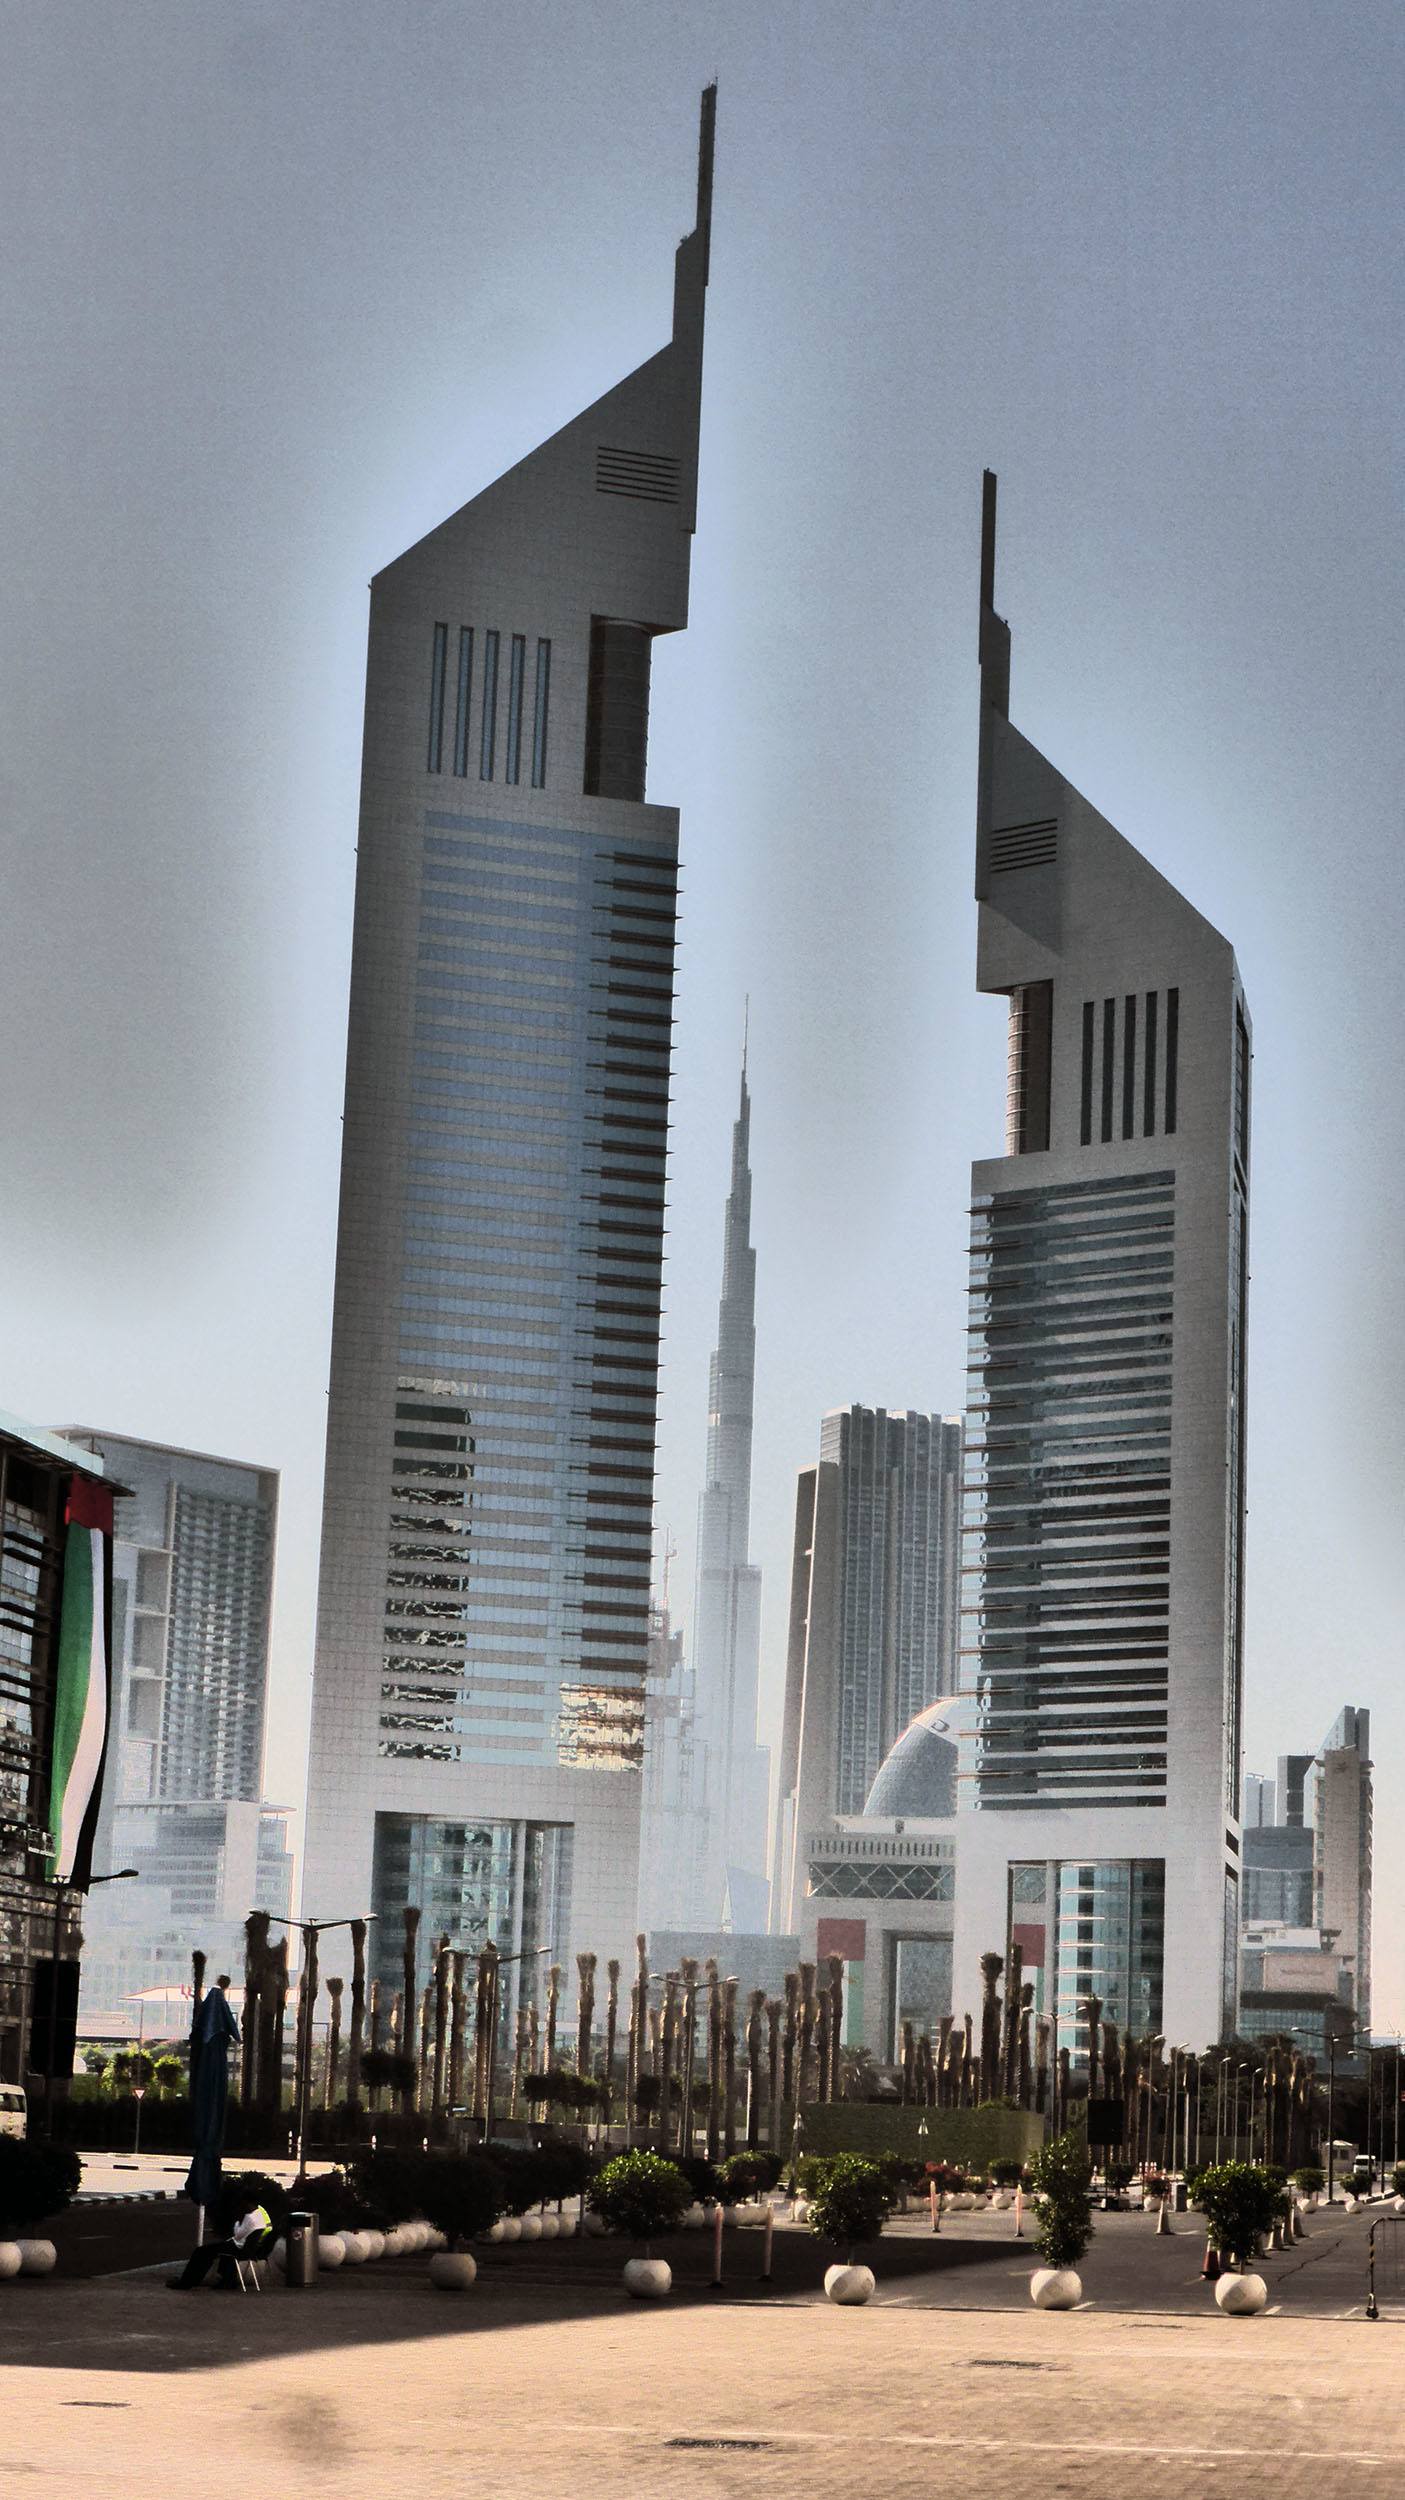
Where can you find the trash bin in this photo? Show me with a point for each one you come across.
(1179, 2199)
(301, 2268)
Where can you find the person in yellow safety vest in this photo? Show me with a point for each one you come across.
(253, 2227)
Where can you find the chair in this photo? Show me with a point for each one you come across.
(252, 2259)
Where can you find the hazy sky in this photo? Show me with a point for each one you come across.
(284, 285)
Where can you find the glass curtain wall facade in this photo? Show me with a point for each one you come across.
(1103, 1611)
(483, 1622)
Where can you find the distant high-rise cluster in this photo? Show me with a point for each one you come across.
(1305, 1941)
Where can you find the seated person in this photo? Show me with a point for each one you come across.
(254, 2225)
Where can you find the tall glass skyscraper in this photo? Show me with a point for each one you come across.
(483, 1619)
(873, 1617)
(1105, 1487)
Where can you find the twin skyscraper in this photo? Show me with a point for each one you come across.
(484, 1631)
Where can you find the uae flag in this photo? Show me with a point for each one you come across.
(82, 1696)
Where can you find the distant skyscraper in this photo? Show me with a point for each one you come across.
(192, 1613)
(1259, 1800)
(873, 1616)
(1342, 1846)
(1100, 1809)
(673, 1845)
(483, 1620)
(727, 1615)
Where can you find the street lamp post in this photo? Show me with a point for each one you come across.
(309, 1929)
(62, 1889)
(1221, 2089)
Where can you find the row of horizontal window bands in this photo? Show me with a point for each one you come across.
(1158, 1085)
(487, 742)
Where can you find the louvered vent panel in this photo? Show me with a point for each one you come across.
(1024, 846)
(648, 476)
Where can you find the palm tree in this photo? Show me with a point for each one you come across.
(822, 2045)
(553, 2000)
(807, 2031)
(668, 2050)
(836, 2020)
(1043, 2030)
(755, 2007)
(943, 2061)
(967, 2089)
(688, 1972)
(1026, 2074)
(612, 2015)
(458, 2026)
(714, 2061)
(443, 1973)
(1014, 1982)
(375, 2036)
(909, 2056)
(634, 2055)
(585, 2012)
(774, 2011)
(992, 1964)
(410, 1989)
(1091, 2011)
(729, 2067)
(256, 1980)
(271, 2040)
(791, 2017)
(355, 2037)
(329, 2088)
(425, 2080)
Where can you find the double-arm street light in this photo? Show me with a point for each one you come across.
(309, 1929)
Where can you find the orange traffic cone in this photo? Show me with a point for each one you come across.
(1211, 2270)
(1163, 2219)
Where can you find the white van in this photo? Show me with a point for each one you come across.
(14, 2110)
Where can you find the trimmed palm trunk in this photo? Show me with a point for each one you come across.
(553, 2002)
(836, 2022)
(424, 2081)
(458, 2027)
(822, 2045)
(482, 2016)
(1091, 2011)
(774, 2012)
(329, 2086)
(806, 2019)
(585, 2013)
(272, 2027)
(688, 1971)
(1014, 1986)
(355, 2036)
(634, 2054)
(968, 2063)
(941, 2056)
(790, 2027)
(1043, 2031)
(410, 1993)
(729, 2067)
(668, 2051)
(992, 1964)
(1025, 2079)
(909, 2061)
(714, 2063)
(612, 2016)
(1061, 2120)
(374, 2037)
(256, 1927)
(443, 1971)
(755, 2007)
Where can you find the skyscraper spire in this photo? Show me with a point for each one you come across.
(727, 1617)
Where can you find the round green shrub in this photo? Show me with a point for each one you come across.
(1240, 2203)
(850, 2201)
(640, 2195)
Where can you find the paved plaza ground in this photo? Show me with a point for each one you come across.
(546, 2380)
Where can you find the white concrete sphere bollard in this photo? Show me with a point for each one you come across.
(1349, 2204)
(357, 2247)
(800, 2211)
(37, 2256)
(848, 2286)
(1001, 2201)
(596, 2227)
(1241, 2295)
(648, 2278)
(375, 2243)
(1055, 2287)
(531, 2227)
(512, 2226)
(434, 2237)
(452, 2270)
(551, 2226)
(331, 2250)
(10, 2260)
(693, 2218)
(566, 2226)
(494, 2232)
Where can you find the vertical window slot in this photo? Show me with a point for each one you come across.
(539, 716)
(1149, 1069)
(488, 734)
(1109, 1053)
(516, 670)
(1085, 1116)
(1173, 1027)
(465, 696)
(436, 698)
(1129, 1066)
